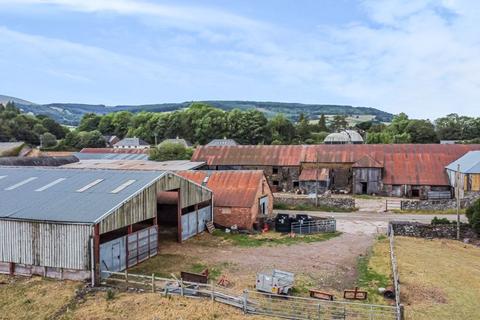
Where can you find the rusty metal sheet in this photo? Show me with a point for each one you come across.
(411, 164)
(230, 188)
(310, 174)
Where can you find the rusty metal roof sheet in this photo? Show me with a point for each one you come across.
(413, 164)
(310, 174)
(367, 162)
(234, 188)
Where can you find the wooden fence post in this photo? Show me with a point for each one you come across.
(153, 282)
(126, 276)
(245, 301)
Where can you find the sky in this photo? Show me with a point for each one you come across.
(421, 57)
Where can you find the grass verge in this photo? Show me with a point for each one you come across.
(309, 207)
(272, 238)
(432, 212)
(374, 271)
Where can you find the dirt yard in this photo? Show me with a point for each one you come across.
(329, 265)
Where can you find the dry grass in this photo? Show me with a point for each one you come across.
(152, 306)
(440, 278)
(33, 298)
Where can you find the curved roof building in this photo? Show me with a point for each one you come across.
(344, 137)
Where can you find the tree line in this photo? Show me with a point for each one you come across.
(200, 123)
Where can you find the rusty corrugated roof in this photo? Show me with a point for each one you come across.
(413, 164)
(367, 162)
(310, 174)
(235, 188)
(114, 150)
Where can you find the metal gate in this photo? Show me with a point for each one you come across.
(142, 245)
(314, 226)
(113, 256)
(194, 222)
(393, 204)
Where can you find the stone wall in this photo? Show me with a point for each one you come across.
(421, 230)
(444, 204)
(347, 204)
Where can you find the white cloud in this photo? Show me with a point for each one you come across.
(416, 56)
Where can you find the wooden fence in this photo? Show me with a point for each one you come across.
(252, 302)
(396, 278)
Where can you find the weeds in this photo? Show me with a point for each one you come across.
(110, 295)
(310, 207)
(272, 238)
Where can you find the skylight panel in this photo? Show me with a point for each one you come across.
(51, 184)
(91, 184)
(122, 186)
(20, 183)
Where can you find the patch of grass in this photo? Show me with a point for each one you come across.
(163, 265)
(309, 207)
(374, 270)
(214, 272)
(432, 212)
(272, 238)
(366, 197)
(110, 295)
(440, 278)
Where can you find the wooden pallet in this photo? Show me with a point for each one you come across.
(210, 226)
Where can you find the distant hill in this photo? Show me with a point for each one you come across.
(71, 113)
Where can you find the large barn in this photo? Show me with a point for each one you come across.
(413, 170)
(74, 224)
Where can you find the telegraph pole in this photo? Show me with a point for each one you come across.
(316, 179)
(457, 191)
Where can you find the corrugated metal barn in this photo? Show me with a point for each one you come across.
(387, 169)
(73, 224)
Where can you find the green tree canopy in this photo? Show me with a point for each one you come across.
(170, 151)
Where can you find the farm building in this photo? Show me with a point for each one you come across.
(172, 165)
(222, 142)
(112, 154)
(411, 170)
(44, 161)
(74, 224)
(241, 198)
(313, 180)
(344, 137)
(131, 143)
(468, 167)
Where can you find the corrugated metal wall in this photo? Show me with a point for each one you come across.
(143, 206)
(45, 244)
(191, 193)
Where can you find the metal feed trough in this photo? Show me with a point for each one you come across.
(277, 282)
(314, 226)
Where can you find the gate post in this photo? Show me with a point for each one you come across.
(245, 301)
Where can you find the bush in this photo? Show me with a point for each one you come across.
(473, 215)
(436, 220)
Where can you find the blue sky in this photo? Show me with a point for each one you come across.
(416, 56)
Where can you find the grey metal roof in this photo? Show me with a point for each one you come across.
(469, 163)
(131, 142)
(172, 165)
(55, 194)
(111, 156)
(222, 142)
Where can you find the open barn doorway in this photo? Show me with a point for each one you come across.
(168, 213)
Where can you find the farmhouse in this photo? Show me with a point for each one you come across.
(411, 170)
(241, 198)
(76, 224)
(131, 143)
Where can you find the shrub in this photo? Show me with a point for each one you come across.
(110, 294)
(473, 215)
(436, 220)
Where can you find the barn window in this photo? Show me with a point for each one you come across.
(21, 183)
(275, 182)
(296, 184)
(122, 186)
(226, 210)
(91, 184)
(275, 170)
(51, 184)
